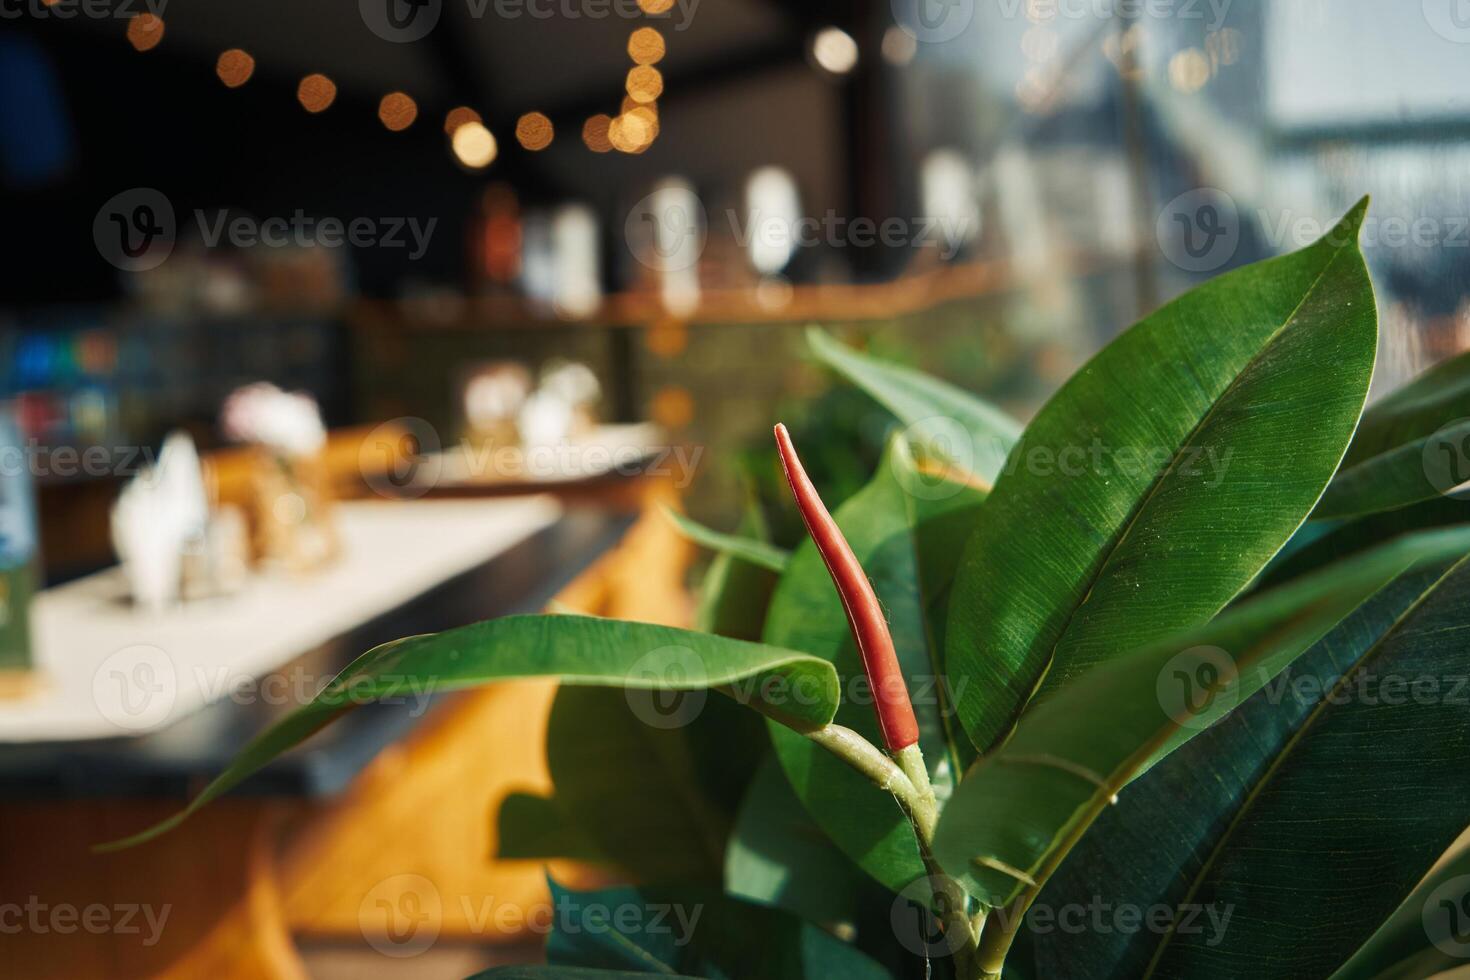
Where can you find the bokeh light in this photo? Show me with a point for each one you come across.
(397, 111)
(234, 67)
(646, 46)
(145, 31)
(594, 133)
(458, 116)
(534, 131)
(645, 83)
(474, 145)
(834, 50)
(316, 92)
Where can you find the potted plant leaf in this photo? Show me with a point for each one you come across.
(1168, 683)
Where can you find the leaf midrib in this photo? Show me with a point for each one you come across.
(1132, 520)
(1283, 755)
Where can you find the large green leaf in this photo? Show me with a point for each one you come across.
(1412, 445)
(778, 856)
(530, 827)
(1438, 396)
(1162, 477)
(1287, 832)
(580, 650)
(905, 528)
(1021, 809)
(1330, 542)
(698, 932)
(944, 421)
(1402, 948)
(628, 778)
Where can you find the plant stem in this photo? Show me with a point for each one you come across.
(865, 757)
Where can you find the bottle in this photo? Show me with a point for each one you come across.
(18, 545)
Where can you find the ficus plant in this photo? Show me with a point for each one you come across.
(1170, 682)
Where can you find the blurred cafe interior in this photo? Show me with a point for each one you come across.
(326, 324)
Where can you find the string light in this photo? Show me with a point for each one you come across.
(234, 67)
(316, 92)
(594, 133)
(458, 116)
(397, 111)
(145, 31)
(646, 46)
(835, 50)
(645, 83)
(655, 7)
(534, 131)
(474, 145)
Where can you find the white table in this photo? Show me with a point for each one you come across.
(107, 669)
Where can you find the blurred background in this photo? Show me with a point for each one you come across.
(670, 192)
(370, 233)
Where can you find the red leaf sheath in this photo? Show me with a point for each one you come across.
(864, 615)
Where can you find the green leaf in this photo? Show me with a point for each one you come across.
(947, 422)
(1421, 469)
(1435, 398)
(1333, 788)
(904, 527)
(735, 594)
(1162, 477)
(564, 973)
(778, 856)
(1022, 808)
(1338, 542)
(627, 775)
(1401, 949)
(756, 552)
(698, 932)
(580, 650)
(530, 827)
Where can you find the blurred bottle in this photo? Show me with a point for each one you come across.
(18, 552)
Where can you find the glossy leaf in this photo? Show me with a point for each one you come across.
(627, 774)
(904, 527)
(778, 856)
(735, 594)
(749, 549)
(1401, 948)
(947, 422)
(1333, 541)
(1333, 788)
(1421, 469)
(580, 650)
(1159, 481)
(530, 827)
(698, 932)
(1021, 809)
(1436, 398)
